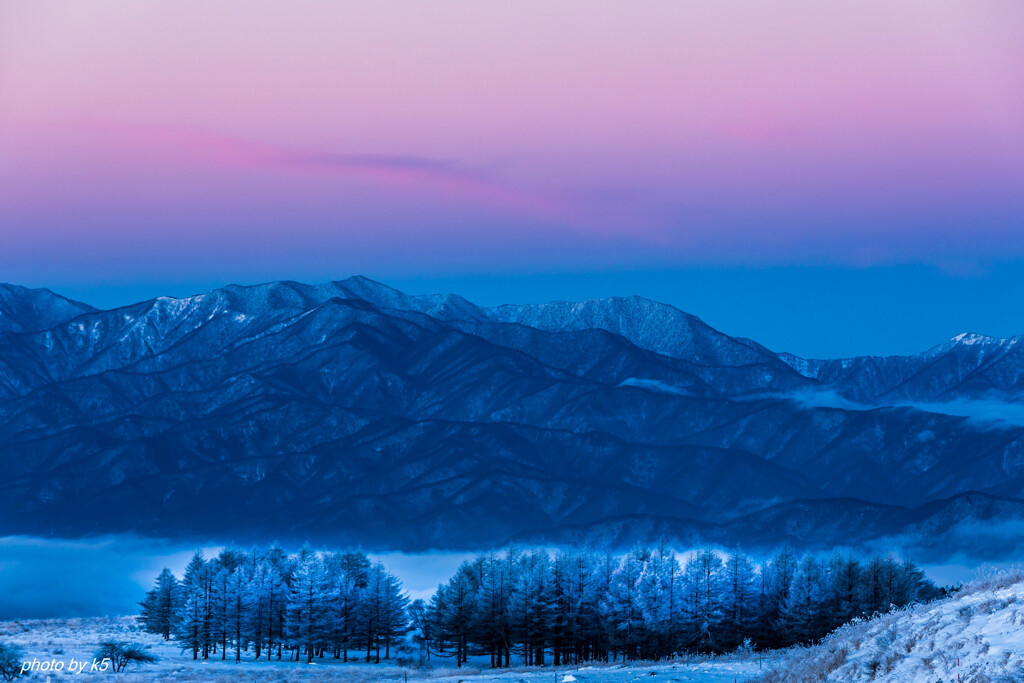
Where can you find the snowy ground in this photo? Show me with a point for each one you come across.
(976, 636)
(67, 640)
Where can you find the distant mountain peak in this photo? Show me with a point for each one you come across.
(970, 339)
(30, 310)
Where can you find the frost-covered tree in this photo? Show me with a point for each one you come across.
(422, 627)
(162, 605)
(305, 625)
(801, 618)
(382, 599)
(914, 586)
(878, 579)
(578, 606)
(704, 581)
(531, 604)
(223, 598)
(238, 610)
(394, 616)
(354, 568)
(583, 579)
(659, 601)
(192, 624)
(776, 579)
(283, 569)
(623, 607)
(492, 613)
(605, 566)
(842, 601)
(454, 609)
(266, 593)
(740, 600)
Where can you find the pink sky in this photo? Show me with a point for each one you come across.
(437, 136)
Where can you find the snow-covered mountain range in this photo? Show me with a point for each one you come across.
(352, 411)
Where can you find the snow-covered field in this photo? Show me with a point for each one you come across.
(976, 636)
(64, 640)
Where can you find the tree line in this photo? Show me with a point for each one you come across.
(523, 605)
(268, 603)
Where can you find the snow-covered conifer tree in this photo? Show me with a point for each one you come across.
(623, 608)
(532, 605)
(740, 600)
(843, 594)
(776, 579)
(355, 571)
(455, 608)
(657, 594)
(704, 581)
(238, 609)
(305, 616)
(394, 620)
(162, 605)
(192, 623)
(801, 615)
(492, 614)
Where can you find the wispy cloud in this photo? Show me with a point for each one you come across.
(447, 169)
(978, 410)
(446, 177)
(981, 411)
(206, 146)
(112, 573)
(985, 412)
(653, 385)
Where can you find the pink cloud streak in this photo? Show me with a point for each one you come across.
(446, 178)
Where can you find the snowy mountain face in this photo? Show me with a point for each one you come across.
(967, 366)
(354, 412)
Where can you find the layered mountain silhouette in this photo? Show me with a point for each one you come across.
(354, 413)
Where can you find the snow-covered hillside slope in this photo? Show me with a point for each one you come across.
(976, 636)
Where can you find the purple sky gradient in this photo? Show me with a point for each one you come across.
(192, 141)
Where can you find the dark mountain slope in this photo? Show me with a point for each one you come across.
(30, 310)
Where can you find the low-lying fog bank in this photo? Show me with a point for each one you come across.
(43, 578)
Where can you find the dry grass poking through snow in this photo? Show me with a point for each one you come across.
(66, 639)
(978, 633)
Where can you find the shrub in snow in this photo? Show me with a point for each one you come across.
(993, 579)
(887, 638)
(745, 650)
(122, 654)
(11, 659)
